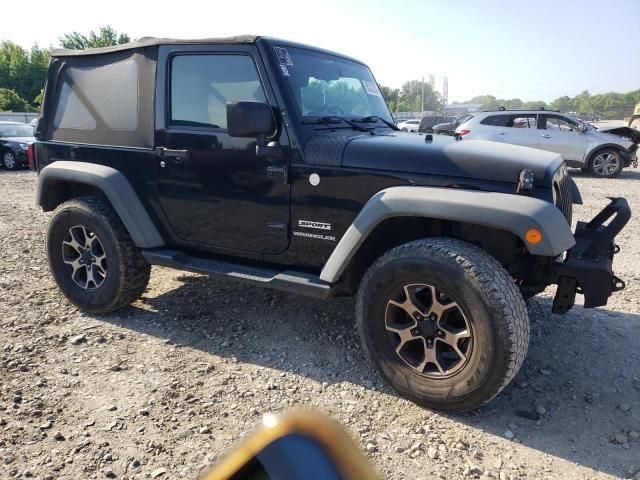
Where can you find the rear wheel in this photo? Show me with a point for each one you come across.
(443, 322)
(606, 163)
(92, 257)
(9, 160)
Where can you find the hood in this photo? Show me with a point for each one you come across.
(445, 156)
(18, 139)
(619, 135)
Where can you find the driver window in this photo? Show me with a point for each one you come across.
(201, 86)
(559, 124)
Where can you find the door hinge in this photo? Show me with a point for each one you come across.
(275, 171)
(280, 230)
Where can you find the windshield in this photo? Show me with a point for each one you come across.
(323, 84)
(17, 130)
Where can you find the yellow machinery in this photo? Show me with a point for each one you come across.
(634, 121)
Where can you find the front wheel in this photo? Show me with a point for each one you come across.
(443, 323)
(606, 163)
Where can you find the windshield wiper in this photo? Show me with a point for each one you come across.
(375, 118)
(336, 119)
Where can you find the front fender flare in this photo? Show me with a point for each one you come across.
(115, 187)
(512, 213)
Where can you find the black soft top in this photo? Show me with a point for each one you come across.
(153, 41)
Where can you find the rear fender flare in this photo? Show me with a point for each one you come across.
(115, 187)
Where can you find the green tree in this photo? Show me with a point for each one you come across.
(23, 71)
(488, 102)
(10, 101)
(39, 59)
(535, 105)
(38, 100)
(513, 104)
(564, 104)
(105, 37)
(410, 97)
(391, 96)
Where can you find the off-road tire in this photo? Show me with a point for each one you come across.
(127, 272)
(593, 170)
(487, 295)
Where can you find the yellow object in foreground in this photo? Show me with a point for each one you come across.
(300, 445)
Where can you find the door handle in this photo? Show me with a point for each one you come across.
(178, 156)
(278, 172)
(545, 135)
(501, 133)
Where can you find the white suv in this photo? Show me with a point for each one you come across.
(581, 145)
(409, 125)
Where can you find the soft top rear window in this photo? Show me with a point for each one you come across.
(106, 94)
(104, 99)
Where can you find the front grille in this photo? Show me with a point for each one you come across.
(563, 196)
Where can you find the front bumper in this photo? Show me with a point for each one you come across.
(587, 268)
(630, 157)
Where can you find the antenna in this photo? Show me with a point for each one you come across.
(445, 90)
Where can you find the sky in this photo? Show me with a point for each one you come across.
(532, 50)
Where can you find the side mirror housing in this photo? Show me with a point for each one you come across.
(582, 127)
(249, 119)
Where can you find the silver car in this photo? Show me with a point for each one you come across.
(603, 153)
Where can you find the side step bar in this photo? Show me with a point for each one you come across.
(289, 281)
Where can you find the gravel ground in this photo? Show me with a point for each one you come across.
(166, 386)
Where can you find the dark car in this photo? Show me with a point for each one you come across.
(15, 139)
(278, 165)
(449, 128)
(428, 122)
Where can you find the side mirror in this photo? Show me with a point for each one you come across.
(582, 127)
(249, 119)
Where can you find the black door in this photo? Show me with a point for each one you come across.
(218, 193)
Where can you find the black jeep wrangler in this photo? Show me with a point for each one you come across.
(278, 164)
